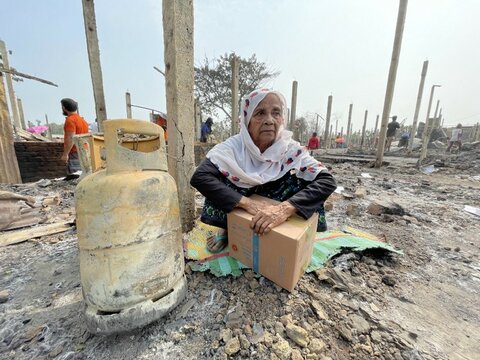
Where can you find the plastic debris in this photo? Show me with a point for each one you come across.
(472, 210)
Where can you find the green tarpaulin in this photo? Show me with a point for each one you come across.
(327, 245)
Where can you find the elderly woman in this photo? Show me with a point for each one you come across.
(262, 159)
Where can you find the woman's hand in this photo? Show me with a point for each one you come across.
(251, 206)
(270, 216)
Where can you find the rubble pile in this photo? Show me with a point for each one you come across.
(422, 305)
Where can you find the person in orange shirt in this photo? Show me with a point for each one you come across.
(74, 124)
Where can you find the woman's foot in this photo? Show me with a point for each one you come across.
(218, 242)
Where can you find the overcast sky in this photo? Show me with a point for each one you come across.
(340, 48)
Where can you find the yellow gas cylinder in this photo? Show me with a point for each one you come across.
(129, 234)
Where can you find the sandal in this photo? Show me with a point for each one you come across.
(217, 243)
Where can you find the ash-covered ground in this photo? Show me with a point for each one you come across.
(422, 305)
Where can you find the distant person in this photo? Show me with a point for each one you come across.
(313, 142)
(456, 138)
(94, 127)
(74, 125)
(206, 130)
(404, 137)
(339, 141)
(165, 133)
(391, 130)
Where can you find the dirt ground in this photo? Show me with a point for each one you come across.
(422, 305)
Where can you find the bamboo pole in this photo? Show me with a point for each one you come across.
(235, 96)
(436, 109)
(375, 131)
(418, 104)
(11, 92)
(349, 124)
(26, 76)
(362, 144)
(392, 75)
(128, 102)
(20, 111)
(426, 132)
(330, 145)
(293, 106)
(5, 170)
(9, 171)
(49, 131)
(94, 60)
(327, 122)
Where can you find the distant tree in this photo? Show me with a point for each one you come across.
(221, 130)
(213, 81)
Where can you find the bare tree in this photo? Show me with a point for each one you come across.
(213, 79)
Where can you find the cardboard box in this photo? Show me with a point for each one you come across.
(282, 255)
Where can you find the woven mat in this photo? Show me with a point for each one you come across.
(327, 244)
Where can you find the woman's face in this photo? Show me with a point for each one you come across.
(265, 122)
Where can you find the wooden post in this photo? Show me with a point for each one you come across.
(94, 60)
(178, 45)
(336, 127)
(49, 131)
(20, 112)
(235, 72)
(392, 75)
(293, 105)
(349, 124)
(426, 132)
(477, 133)
(11, 92)
(9, 172)
(362, 144)
(128, 101)
(341, 132)
(327, 122)
(417, 105)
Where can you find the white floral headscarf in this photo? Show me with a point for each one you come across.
(241, 161)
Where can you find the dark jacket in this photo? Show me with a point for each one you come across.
(208, 180)
(206, 130)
